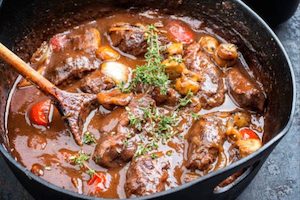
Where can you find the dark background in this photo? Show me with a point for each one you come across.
(279, 178)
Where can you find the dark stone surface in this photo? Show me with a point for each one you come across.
(279, 178)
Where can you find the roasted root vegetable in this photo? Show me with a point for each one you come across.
(184, 85)
(226, 55)
(118, 72)
(173, 68)
(179, 32)
(40, 113)
(248, 146)
(209, 44)
(175, 48)
(107, 53)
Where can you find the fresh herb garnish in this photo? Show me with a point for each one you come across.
(195, 116)
(80, 158)
(177, 59)
(153, 72)
(159, 127)
(89, 138)
(186, 100)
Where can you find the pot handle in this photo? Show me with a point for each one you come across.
(240, 183)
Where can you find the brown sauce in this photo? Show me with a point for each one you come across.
(50, 147)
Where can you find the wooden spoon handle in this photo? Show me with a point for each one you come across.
(27, 72)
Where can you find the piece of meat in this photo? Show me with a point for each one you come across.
(245, 91)
(112, 152)
(129, 38)
(73, 55)
(70, 68)
(138, 102)
(212, 90)
(96, 82)
(205, 141)
(146, 176)
(171, 98)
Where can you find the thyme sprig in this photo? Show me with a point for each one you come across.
(152, 73)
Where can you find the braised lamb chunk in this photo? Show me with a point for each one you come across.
(171, 98)
(212, 90)
(146, 176)
(87, 40)
(71, 67)
(112, 152)
(96, 82)
(205, 140)
(73, 55)
(129, 38)
(244, 90)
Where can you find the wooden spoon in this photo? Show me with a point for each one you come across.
(74, 107)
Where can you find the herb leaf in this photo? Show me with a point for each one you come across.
(186, 100)
(153, 72)
(80, 158)
(89, 138)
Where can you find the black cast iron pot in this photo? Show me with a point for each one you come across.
(231, 19)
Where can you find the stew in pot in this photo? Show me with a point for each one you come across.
(175, 102)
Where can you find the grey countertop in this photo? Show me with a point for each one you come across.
(279, 178)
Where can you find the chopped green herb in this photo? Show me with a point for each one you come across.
(89, 138)
(177, 59)
(186, 100)
(154, 156)
(90, 172)
(80, 158)
(195, 116)
(153, 72)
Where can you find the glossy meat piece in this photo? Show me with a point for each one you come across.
(111, 151)
(129, 38)
(146, 176)
(171, 98)
(244, 90)
(96, 82)
(138, 102)
(71, 67)
(205, 139)
(212, 90)
(73, 55)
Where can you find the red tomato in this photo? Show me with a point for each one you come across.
(99, 180)
(180, 32)
(248, 134)
(39, 113)
(57, 42)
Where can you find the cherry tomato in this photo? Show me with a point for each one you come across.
(180, 32)
(39, 113)
(248, 134)
(57, 42)
(99, 180)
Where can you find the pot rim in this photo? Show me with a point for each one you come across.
(264, 148)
